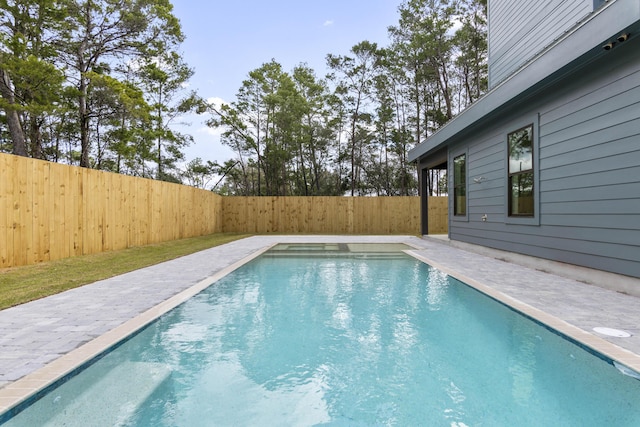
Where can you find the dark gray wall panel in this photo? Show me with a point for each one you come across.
(589, 170)
(585, 168)
(591, 207)
(584, 235)
(611, 105)
(488, 156)
(520, 30)
(488, 203)
(535, 39)
(605, 263)
(601, 178)
(494, 211)
(629, 190)
(625, 113)
(629, 221)
(601, 136)
(486, 172)
(487, 193)
(579, 243)
(592, 91)
(578, 153)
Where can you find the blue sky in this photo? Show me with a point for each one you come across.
(225, 40)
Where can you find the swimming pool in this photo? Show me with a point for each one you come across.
(362, 337)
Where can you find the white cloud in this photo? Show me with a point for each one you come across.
(210, 131)
(327, 23)
(457, 24)
(216, 102)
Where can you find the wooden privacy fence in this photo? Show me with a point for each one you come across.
(438, 211)
(330, 215)
(50, 211)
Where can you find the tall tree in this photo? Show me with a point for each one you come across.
(164, 78)
(471, 42)
(438, 25)
(353, 76)
(199, 174)
(30, 83)
(263, 122)
(393, 174)
(121, 124)
(425, 44)
(313, 145)
(408, 61)
(105, 30)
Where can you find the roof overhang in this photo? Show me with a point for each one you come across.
(573, 50)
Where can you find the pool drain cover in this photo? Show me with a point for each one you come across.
(612, 332)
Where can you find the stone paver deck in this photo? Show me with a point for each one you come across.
(35, 334)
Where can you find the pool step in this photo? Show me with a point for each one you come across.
(339, 255)
(108, 399)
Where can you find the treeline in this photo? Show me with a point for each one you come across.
(95, 83)
(99, 84)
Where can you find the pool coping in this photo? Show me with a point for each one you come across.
(18, 393)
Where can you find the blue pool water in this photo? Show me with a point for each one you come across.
(350, 339)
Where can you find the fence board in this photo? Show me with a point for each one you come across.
(41, 235)
(21, 237)
(66, 215)
(79, 187)
(6, 209)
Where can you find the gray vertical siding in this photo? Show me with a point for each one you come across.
(521, 29)
(589, 171)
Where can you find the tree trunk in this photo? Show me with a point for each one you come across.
(35, 137)
(160, 131)
(354, 123)
(416, 87)
(443, 82)
(84, 122)
(13, 119)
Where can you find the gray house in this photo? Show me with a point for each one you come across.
(547, 163)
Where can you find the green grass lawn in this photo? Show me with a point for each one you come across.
(22, 284)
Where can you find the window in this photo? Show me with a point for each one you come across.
(521, 172)
(460, 185)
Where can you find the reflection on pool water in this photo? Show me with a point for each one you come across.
(342, 340)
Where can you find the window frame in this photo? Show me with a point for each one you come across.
(526, 219)
(452, 183)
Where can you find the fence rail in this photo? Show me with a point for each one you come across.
(50, 211)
